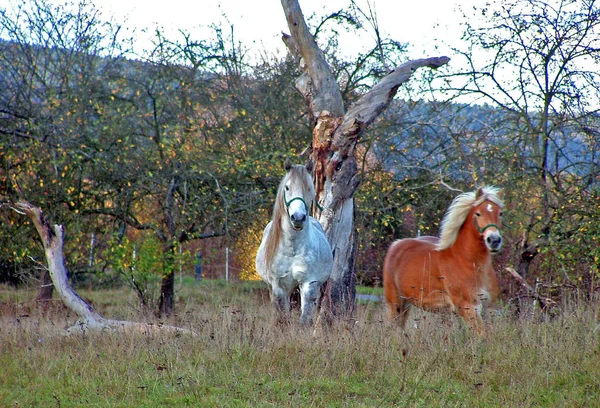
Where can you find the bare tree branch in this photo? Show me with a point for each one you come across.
(327, 95)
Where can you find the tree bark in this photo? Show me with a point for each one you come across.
(167, 287)
(90, 320)
(335, 135)
(44, 296)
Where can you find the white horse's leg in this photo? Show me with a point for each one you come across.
(309, 293)
(281, 300)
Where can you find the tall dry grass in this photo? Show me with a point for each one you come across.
(240, 359)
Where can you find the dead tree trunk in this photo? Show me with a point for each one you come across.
(44, 296)
(335, 135)
(90, 320)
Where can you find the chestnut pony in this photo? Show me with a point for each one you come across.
(453, 272)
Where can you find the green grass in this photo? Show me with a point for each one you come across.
(239, 359)
(367, 290)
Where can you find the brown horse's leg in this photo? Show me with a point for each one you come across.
(398, 311)
(396, 303)
(402, 312)
(470, 315)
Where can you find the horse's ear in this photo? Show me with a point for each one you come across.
(287, 165)
(501, 194)
(479, 193)
(309, 166)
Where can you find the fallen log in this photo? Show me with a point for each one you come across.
(544, 301)
(89, 321)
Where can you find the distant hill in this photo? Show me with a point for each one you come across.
(413, 136)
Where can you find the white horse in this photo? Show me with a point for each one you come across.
(294, 251)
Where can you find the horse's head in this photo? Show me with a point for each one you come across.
(298, 192)
(487, 217)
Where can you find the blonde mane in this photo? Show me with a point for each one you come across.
(458, 212)
(301, 174)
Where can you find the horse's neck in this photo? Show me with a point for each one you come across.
(292, 238)
(468, 243)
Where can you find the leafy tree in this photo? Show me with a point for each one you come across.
(178, 147)
(335, 136)
(537, 61)
(52, 78)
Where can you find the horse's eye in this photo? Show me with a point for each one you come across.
(478, 214)
(287, 188)
(501, 213)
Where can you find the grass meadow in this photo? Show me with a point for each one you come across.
(239, 359)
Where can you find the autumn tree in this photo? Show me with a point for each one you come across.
(52, 70)
(160, 151)
(537, 62)
(335, 135)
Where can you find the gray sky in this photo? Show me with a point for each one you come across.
(258, 23)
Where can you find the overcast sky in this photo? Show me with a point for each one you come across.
(259, 23)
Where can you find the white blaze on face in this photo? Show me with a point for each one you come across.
(490, 208)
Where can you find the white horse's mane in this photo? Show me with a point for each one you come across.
(458, 211)
(299, 174)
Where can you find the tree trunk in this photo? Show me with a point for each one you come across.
(528, 253)
(44, 296)
(335, 135)
(167, 289)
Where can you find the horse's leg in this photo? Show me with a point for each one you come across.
(281, 300)
(397, 306)
(471, 314)
(398, 312)
(309, 293)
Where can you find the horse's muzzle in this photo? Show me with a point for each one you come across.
(298, 221)
(493, 242)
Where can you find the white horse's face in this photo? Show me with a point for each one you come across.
(295, 202)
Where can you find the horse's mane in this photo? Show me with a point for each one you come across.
(459, 210)
(308, 191)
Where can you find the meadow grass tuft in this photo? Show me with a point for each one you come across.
(239, 359)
